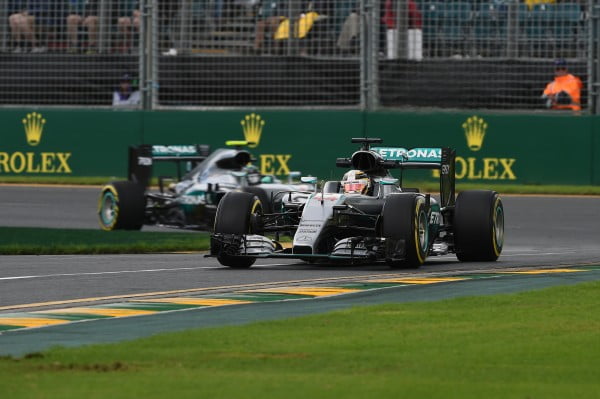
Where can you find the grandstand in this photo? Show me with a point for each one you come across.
(477, 54)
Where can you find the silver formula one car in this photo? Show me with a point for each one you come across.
(189, 200)
(366, 217)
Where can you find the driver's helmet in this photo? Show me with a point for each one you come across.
(253, 175)
(356, 182)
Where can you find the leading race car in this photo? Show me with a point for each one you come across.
(188, 201)
(366, 217)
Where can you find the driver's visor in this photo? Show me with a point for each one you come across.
(354, 187)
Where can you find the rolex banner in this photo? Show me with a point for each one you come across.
(522, 149)
(66, 143)
(515, 149)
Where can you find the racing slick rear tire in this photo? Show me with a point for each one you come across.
(478, 226)
(239, 214)
(405, 220)
(121, 206)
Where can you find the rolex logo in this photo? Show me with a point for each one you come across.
(474, 128)
(252, 125)
(34, 126)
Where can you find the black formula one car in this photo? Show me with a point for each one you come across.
(189, 200)
(366, 217)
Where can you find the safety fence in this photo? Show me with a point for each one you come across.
(367, 54)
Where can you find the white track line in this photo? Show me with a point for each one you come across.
(212, 267)
(188, 268)
(122, 272)
(101, 273)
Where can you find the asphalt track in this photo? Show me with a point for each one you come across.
(541, 232)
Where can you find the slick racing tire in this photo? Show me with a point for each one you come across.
(405, 220)
(121, 206)
(265, 199)
(238, 213)
(478, 226)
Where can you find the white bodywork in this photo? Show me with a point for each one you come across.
(317, 211)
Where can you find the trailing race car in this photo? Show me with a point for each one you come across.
(188, 201)
(366, 217)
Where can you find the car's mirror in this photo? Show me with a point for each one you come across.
(266, 179)
(294, 175)
(239, 174)
(389, 182)
(308, 179)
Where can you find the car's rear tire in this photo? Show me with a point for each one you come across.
(121, 206)
(405, 217)
(238, 213)
(478, 226)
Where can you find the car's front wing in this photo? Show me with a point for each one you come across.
(353, 250)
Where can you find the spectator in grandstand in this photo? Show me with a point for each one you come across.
(51, 26)
(271, 14)
(564, 92)
(82, 13)
(350, 26)
(415, 26)
(126, 94)
(127, 23)
(167, 12)
(307, 14)
(23, 17)
(532, 3)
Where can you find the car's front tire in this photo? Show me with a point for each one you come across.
(263, 196)
(405, 218)
(121, 206)
(478, 226)
(239, 213)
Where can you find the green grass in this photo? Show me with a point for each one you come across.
(428, 186)
(539, 344)
(38, 241)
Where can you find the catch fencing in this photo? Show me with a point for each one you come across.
(358, 54)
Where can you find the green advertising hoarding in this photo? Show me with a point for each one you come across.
(519, 149)
(285, 141)
(525, 149)
(66, 142)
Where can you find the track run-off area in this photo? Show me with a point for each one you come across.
(74, 300)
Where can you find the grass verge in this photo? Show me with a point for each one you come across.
(42, 241)
(538, 344)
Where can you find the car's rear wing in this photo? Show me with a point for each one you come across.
(439, 158)
(413, 157)
(377, 160)
(142, 158)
